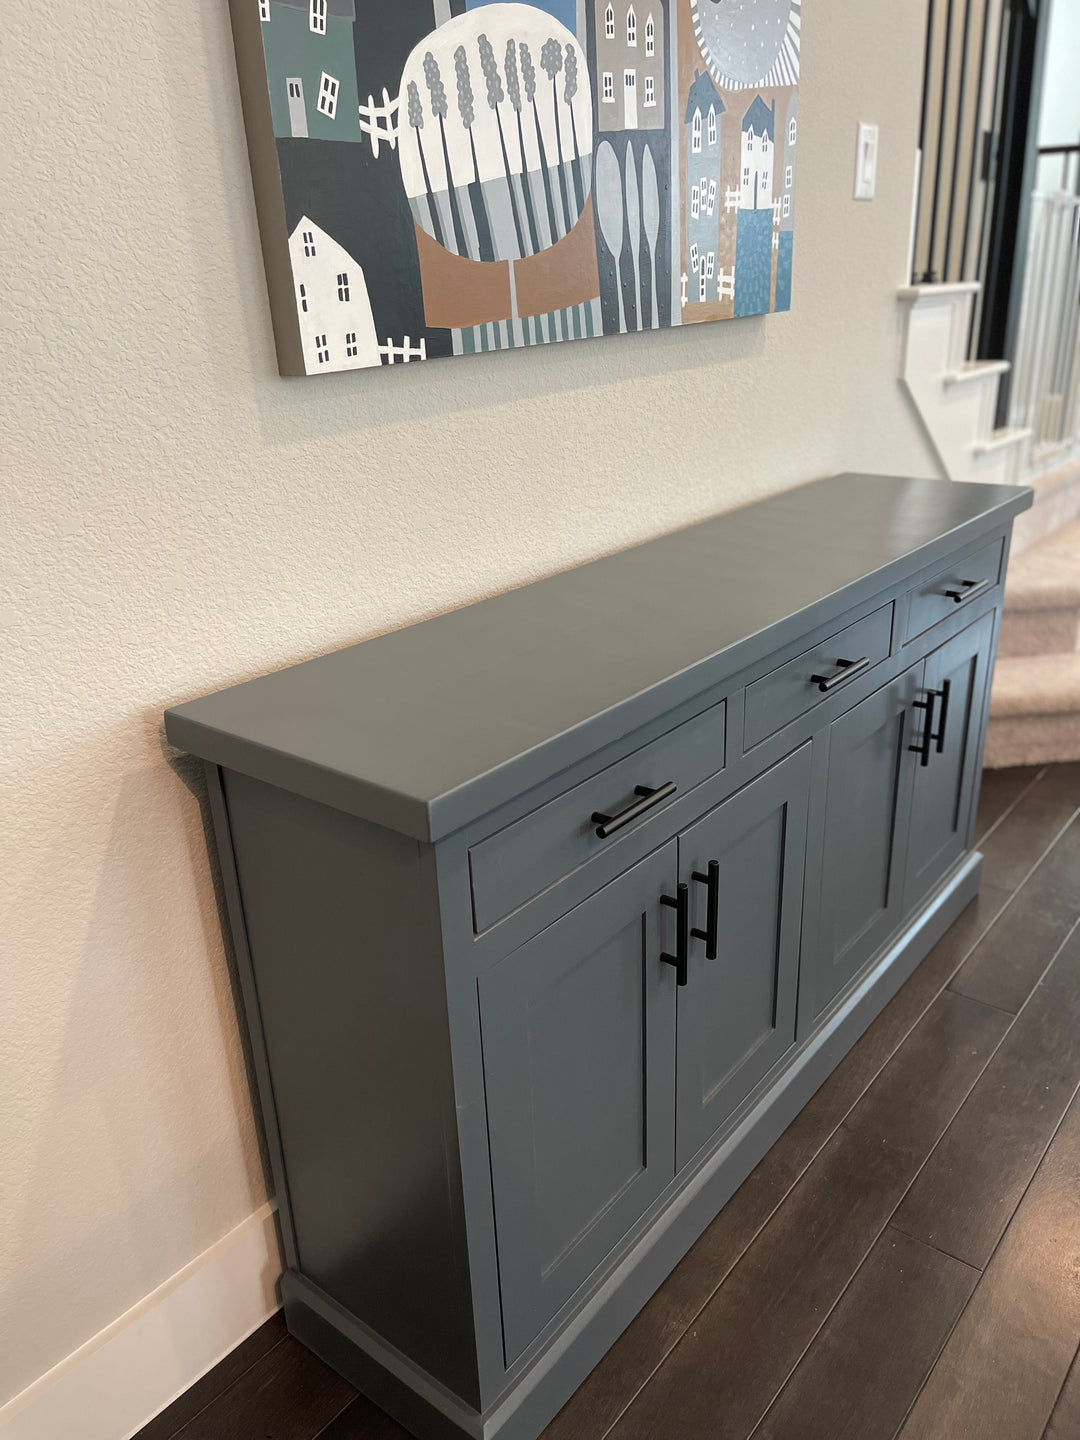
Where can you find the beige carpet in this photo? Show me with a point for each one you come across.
(1035, 705)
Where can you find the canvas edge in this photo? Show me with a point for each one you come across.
(266, 182)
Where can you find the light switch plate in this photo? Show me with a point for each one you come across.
(866, 162)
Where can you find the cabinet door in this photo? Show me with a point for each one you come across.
(867, 809)
(579, 1066)
(955, 686)
(736, 1013)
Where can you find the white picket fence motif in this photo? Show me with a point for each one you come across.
(370, 117)
(725, 284)
(402, 354)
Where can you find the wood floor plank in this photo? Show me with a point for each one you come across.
(967, 1192)
(216, 1381)
(362, 1420)
(1061, 782)
(1000, 790)
(1006, 965)
(908, 1107)
(289, 1394)
(859, 1377)
(728, 1367)
(654, 1332)
(1022, 837)
(1064, 1422)
(1002, 1370)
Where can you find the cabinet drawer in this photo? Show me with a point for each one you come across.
(931, 602)
(518, 862)
(783, 695)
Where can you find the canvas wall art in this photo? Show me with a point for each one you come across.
(446, 177)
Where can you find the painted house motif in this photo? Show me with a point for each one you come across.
(786, 186)
(630, 67)
(758, 148)
(703, 194)
(311, 68)
(336, 324)
(754, 245)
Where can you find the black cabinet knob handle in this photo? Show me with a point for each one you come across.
(712, 922)
(680, 903)
(968, 590)
(607, 824)
(848, 670)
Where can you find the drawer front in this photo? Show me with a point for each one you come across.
(783, 695)
(972, 577)
(523, 859)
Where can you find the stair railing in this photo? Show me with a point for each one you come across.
(962, 84)
(1046, 368)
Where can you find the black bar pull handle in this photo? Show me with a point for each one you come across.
(969, 590)
(712, 923)
(607, 824)
(680, 903)
(848, 670)
(930, 736)
(922, 749)
(943, 718)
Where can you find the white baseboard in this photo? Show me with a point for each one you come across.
(113, 1385)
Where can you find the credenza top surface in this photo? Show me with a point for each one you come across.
(428, 727)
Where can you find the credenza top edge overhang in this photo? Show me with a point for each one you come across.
(424, 729)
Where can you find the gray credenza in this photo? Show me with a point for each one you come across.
(552, 912)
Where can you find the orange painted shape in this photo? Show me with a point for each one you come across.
(565, 274)
(459, 292)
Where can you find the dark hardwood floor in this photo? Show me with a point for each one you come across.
(905, 1262)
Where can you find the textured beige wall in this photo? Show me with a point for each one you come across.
(176, 517)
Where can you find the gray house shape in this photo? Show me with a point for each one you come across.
(704, 198)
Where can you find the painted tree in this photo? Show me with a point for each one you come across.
(440, 109)
(570, 92)
(528, 75)
(467, 109)
(495, 97)
(551, 62)
(513, 90)
(416, 120)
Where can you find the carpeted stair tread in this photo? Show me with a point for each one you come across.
(1047, 576)
(1036, 685)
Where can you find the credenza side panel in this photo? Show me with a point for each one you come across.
(343, 928)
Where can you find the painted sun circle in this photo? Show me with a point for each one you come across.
(749, 42)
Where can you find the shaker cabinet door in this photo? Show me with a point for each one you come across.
(744, 864)
(863, 848)
(578, 1029)
(950, 732)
